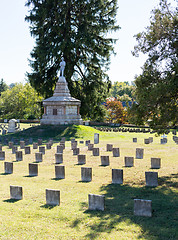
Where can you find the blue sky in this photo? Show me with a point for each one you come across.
(16, 42)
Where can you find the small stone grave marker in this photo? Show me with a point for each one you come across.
(16, 192)
(52, 197)
(96, 202)
(60, 172)
(143, 207)
(86, 174)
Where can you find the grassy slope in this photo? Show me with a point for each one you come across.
(30, 218)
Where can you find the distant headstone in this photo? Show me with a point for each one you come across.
(86, 174)
(117, 176)
(76, 151)
(151, 179)
(33, 169)
(52, 197)
(19, 156)
(60, 172)
(109, 147)
(87, 142)
(147, 141)
(40, 141)
(22, 144)
(73, 145)
(35, 145)
(14, 149)
(59, 149)
(16, 192)
(81, 159)
(42, 149)
(96, 151)
(96, 138)
(139, 153)
(135, 140)
(8, 167)
(48, 145)
(143, 207)
(105, 160)
(96, 202)
(90, 147)
(11, 144)
(27, 150)
(129, 161)
(155, 163)
(59, 158)
(38, 157)
(116, 152)
(2, 155)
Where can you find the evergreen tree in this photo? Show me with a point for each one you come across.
(3, 86)
(157, 86)
(76, 30)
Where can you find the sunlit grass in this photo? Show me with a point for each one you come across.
(30, 218)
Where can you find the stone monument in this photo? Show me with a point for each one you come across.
(61, 108)
(13, 126)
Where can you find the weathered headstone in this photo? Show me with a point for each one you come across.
(87, 142)
(151, 179)
(16, 192)
(96, 138)
(129, 161)
(73, 145)
(2, 155)
(109, 147)
(116, 152)
(22, 144)
(81, 159)
(143, 207)
(8, 167)
(76, 151)
(90, 146)
(96, 202)
(35, 145)
(147, 141)
(155, 163)
(163, 140)
(14, 149)
(52, 197)
(38, 157)
(42, 149)
(58, 158)
(40, 141)
(11, 144)
(48, 145)
(105, 160)
(86, 174)
(117, 176)
(139, 153)
(33, 169)
(60, 172)
(151, 139)
(19, 156)
(96, 151)
(27, 150)
(59, 149)
(135, 140)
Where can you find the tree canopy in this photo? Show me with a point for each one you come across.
(21, 101)
(76, 30)
(157, 86)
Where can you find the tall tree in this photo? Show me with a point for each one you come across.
(76, 30)
(157, 86)
(3, 86)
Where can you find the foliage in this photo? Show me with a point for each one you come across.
(118, 89)
(77, 31)
(22, 102)
(3, 86)
(157, 86)
(116, 113)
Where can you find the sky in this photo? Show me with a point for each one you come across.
(16, 42)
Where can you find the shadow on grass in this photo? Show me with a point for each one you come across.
(30, 176)
(4, 174)
(11, 200)
(119, 203)
(47, 206)
(57, 179)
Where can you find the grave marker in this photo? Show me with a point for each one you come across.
(16, 192)
(8, 167)
(139, 153)
(117, 176)
(86, 174)
(143, 207)
(96, 202)
(129, 161)
(105, 160)
(33, 169)
(60, 172)
(151, 179)
(52, 197)
(59, 158)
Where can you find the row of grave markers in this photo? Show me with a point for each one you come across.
(86, 174)
(95, 202)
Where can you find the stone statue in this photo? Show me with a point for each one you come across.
(62, 67)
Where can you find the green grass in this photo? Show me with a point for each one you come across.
(31, 218)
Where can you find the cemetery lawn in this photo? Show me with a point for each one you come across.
(31, 218)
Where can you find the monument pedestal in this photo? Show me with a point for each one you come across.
(61, 108)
